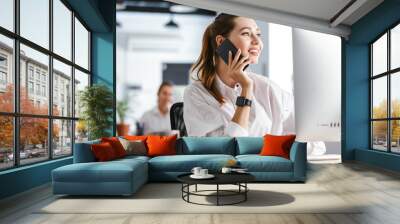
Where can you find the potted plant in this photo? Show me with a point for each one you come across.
(96, 104)
(122, 110)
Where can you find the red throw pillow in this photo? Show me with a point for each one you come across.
(103, 152)
(161, 145)
(116, 145)
(275, 145)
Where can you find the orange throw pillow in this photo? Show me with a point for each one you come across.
(161, 145)
(116, 145)
(135, 137)
(275, 145)
(103, 152)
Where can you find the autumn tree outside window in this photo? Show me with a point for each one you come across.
(385, 91)
(44, 64)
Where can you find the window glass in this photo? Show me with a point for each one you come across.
(81, 82)
(33, 140)
(81, 131)
(62, 29)
(395, 136)
(62, 141)
(34, 21)
(81, 45)
(34, 81)
(31, 88)
(7, 14)
(6, 142)
(62, 89)
(30, 58)
(379, 98)
(379, 135)
(395, 47)
(6, 74)
(395, 95)
(379, 56)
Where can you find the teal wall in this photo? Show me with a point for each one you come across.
(357, 99)
(99, 16)
(104, 54)
(379, 159)
(93, 13)
(24, 178)
(356, 86)
(103, 65)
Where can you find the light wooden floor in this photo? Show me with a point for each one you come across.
(378, 188)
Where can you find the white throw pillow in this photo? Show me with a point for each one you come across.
(134, 147)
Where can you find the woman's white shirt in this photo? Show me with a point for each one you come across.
(271, 111)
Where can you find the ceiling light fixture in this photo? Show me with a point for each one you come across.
(171, 23)
(181, 9)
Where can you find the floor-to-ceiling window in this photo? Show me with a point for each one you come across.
(44, 63)
(385, 91)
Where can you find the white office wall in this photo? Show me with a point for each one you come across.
(144, 44)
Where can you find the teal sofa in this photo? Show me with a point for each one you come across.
(125, 176)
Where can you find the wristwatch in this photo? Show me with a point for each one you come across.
(242, 101)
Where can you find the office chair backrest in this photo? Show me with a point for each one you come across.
(176, 116)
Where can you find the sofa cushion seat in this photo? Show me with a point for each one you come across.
(257, 163)
(184, 163)
(132, 158)
(111, 171)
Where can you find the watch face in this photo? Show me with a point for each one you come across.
(241, 101)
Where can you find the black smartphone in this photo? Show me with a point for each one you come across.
(223, 51)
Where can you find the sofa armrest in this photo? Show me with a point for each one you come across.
(298, 155)
(83, 152)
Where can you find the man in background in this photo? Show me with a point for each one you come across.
(157, 120)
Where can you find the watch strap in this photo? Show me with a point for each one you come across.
(242, 101)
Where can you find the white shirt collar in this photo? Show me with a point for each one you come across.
(227, 90)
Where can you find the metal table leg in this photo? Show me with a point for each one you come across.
(217, 194)
(245, 194)
(185, 188)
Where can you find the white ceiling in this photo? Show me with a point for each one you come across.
(313, 15)
(320, 9)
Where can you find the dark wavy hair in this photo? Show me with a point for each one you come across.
(222, 25)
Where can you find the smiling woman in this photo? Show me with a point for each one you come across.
(226, 100)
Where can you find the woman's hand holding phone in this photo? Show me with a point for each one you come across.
(235, 68)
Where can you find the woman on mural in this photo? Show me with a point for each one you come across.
(225, 100)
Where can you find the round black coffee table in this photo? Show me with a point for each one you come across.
(238, 179)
